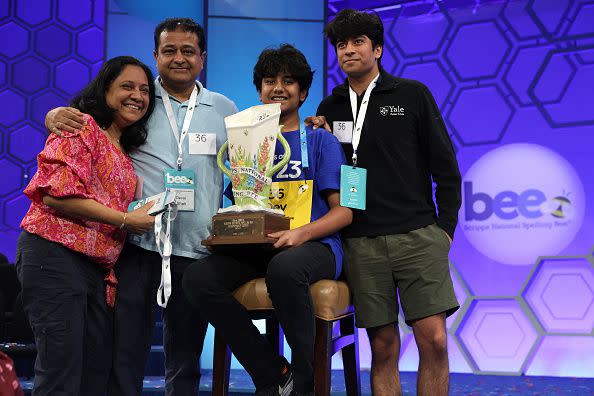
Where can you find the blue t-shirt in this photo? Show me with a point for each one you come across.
(325, 158)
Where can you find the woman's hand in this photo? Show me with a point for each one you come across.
(139, 221)
(66, 119)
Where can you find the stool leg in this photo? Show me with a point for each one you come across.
(323, 351)
(350, 357)
(220, 366)
(274, 335)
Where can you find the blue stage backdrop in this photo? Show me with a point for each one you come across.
(48, 51)
(513, 80)
(514, 83)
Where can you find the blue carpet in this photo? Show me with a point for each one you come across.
(460, 385)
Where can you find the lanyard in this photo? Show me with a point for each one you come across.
(303, 143)
(163, 237)
(173, 122)
(360, 117)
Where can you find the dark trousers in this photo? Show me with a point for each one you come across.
(209, 284)
(139, 274)
(64, 299)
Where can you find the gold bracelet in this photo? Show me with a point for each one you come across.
(123, 221)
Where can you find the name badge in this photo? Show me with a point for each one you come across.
(353, 186)
(183, 182)
(202, 143)
(343, 130)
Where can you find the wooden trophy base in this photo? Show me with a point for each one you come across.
(245, 228)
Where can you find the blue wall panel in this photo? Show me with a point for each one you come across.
(234, 46)
(48, 51)
(305, 9)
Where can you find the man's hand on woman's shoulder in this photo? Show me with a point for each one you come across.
(64, 119)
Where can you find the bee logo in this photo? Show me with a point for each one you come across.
(302, 189)
(564, 206)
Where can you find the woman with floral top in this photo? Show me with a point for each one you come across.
(76, 226)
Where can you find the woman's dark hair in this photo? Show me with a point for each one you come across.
(185, 25)
(350, 23)
(91, 100)
(284, 59)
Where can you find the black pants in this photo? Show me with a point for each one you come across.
(209, 284)
(139, 274)
(64, 299)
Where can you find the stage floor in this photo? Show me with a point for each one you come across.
(461, 384)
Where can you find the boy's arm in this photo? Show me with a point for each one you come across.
(337, 218)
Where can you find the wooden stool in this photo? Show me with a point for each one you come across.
(332, 302)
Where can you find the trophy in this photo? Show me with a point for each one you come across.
(251, 143)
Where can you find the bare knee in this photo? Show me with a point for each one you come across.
(433, 346)
(431, 337)
(384, 342)
(437, 344)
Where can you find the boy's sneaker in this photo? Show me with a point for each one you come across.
(285, 383)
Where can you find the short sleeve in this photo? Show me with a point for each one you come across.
(64, 167)
(330, 159)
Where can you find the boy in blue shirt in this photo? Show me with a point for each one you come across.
(309, 251)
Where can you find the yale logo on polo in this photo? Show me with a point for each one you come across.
(391, 110)
(521, 201)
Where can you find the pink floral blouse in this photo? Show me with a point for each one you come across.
(82, 165)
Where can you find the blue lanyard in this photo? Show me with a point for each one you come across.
(303, 145)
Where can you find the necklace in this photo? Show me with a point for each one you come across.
(114, 139)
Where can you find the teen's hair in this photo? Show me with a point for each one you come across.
(92, 100)
(186, 25)
(284, 59)
(349, 23)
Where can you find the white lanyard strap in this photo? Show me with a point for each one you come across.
(173, 122)
(164, 237)
(360, 117)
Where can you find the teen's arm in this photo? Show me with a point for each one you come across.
(317, 122)
(443, 164)
(66, 119)
(137, 221)
(337, 218)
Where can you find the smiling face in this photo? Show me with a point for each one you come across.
(357, 57)
(285, 90)
(179, 58)
(128, 95)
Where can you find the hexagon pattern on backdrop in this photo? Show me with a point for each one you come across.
(561, 294)
(495, 67)
(537, 55)
(490, 320)
(48, 51)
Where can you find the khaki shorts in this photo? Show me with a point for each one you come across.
(415, 264)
